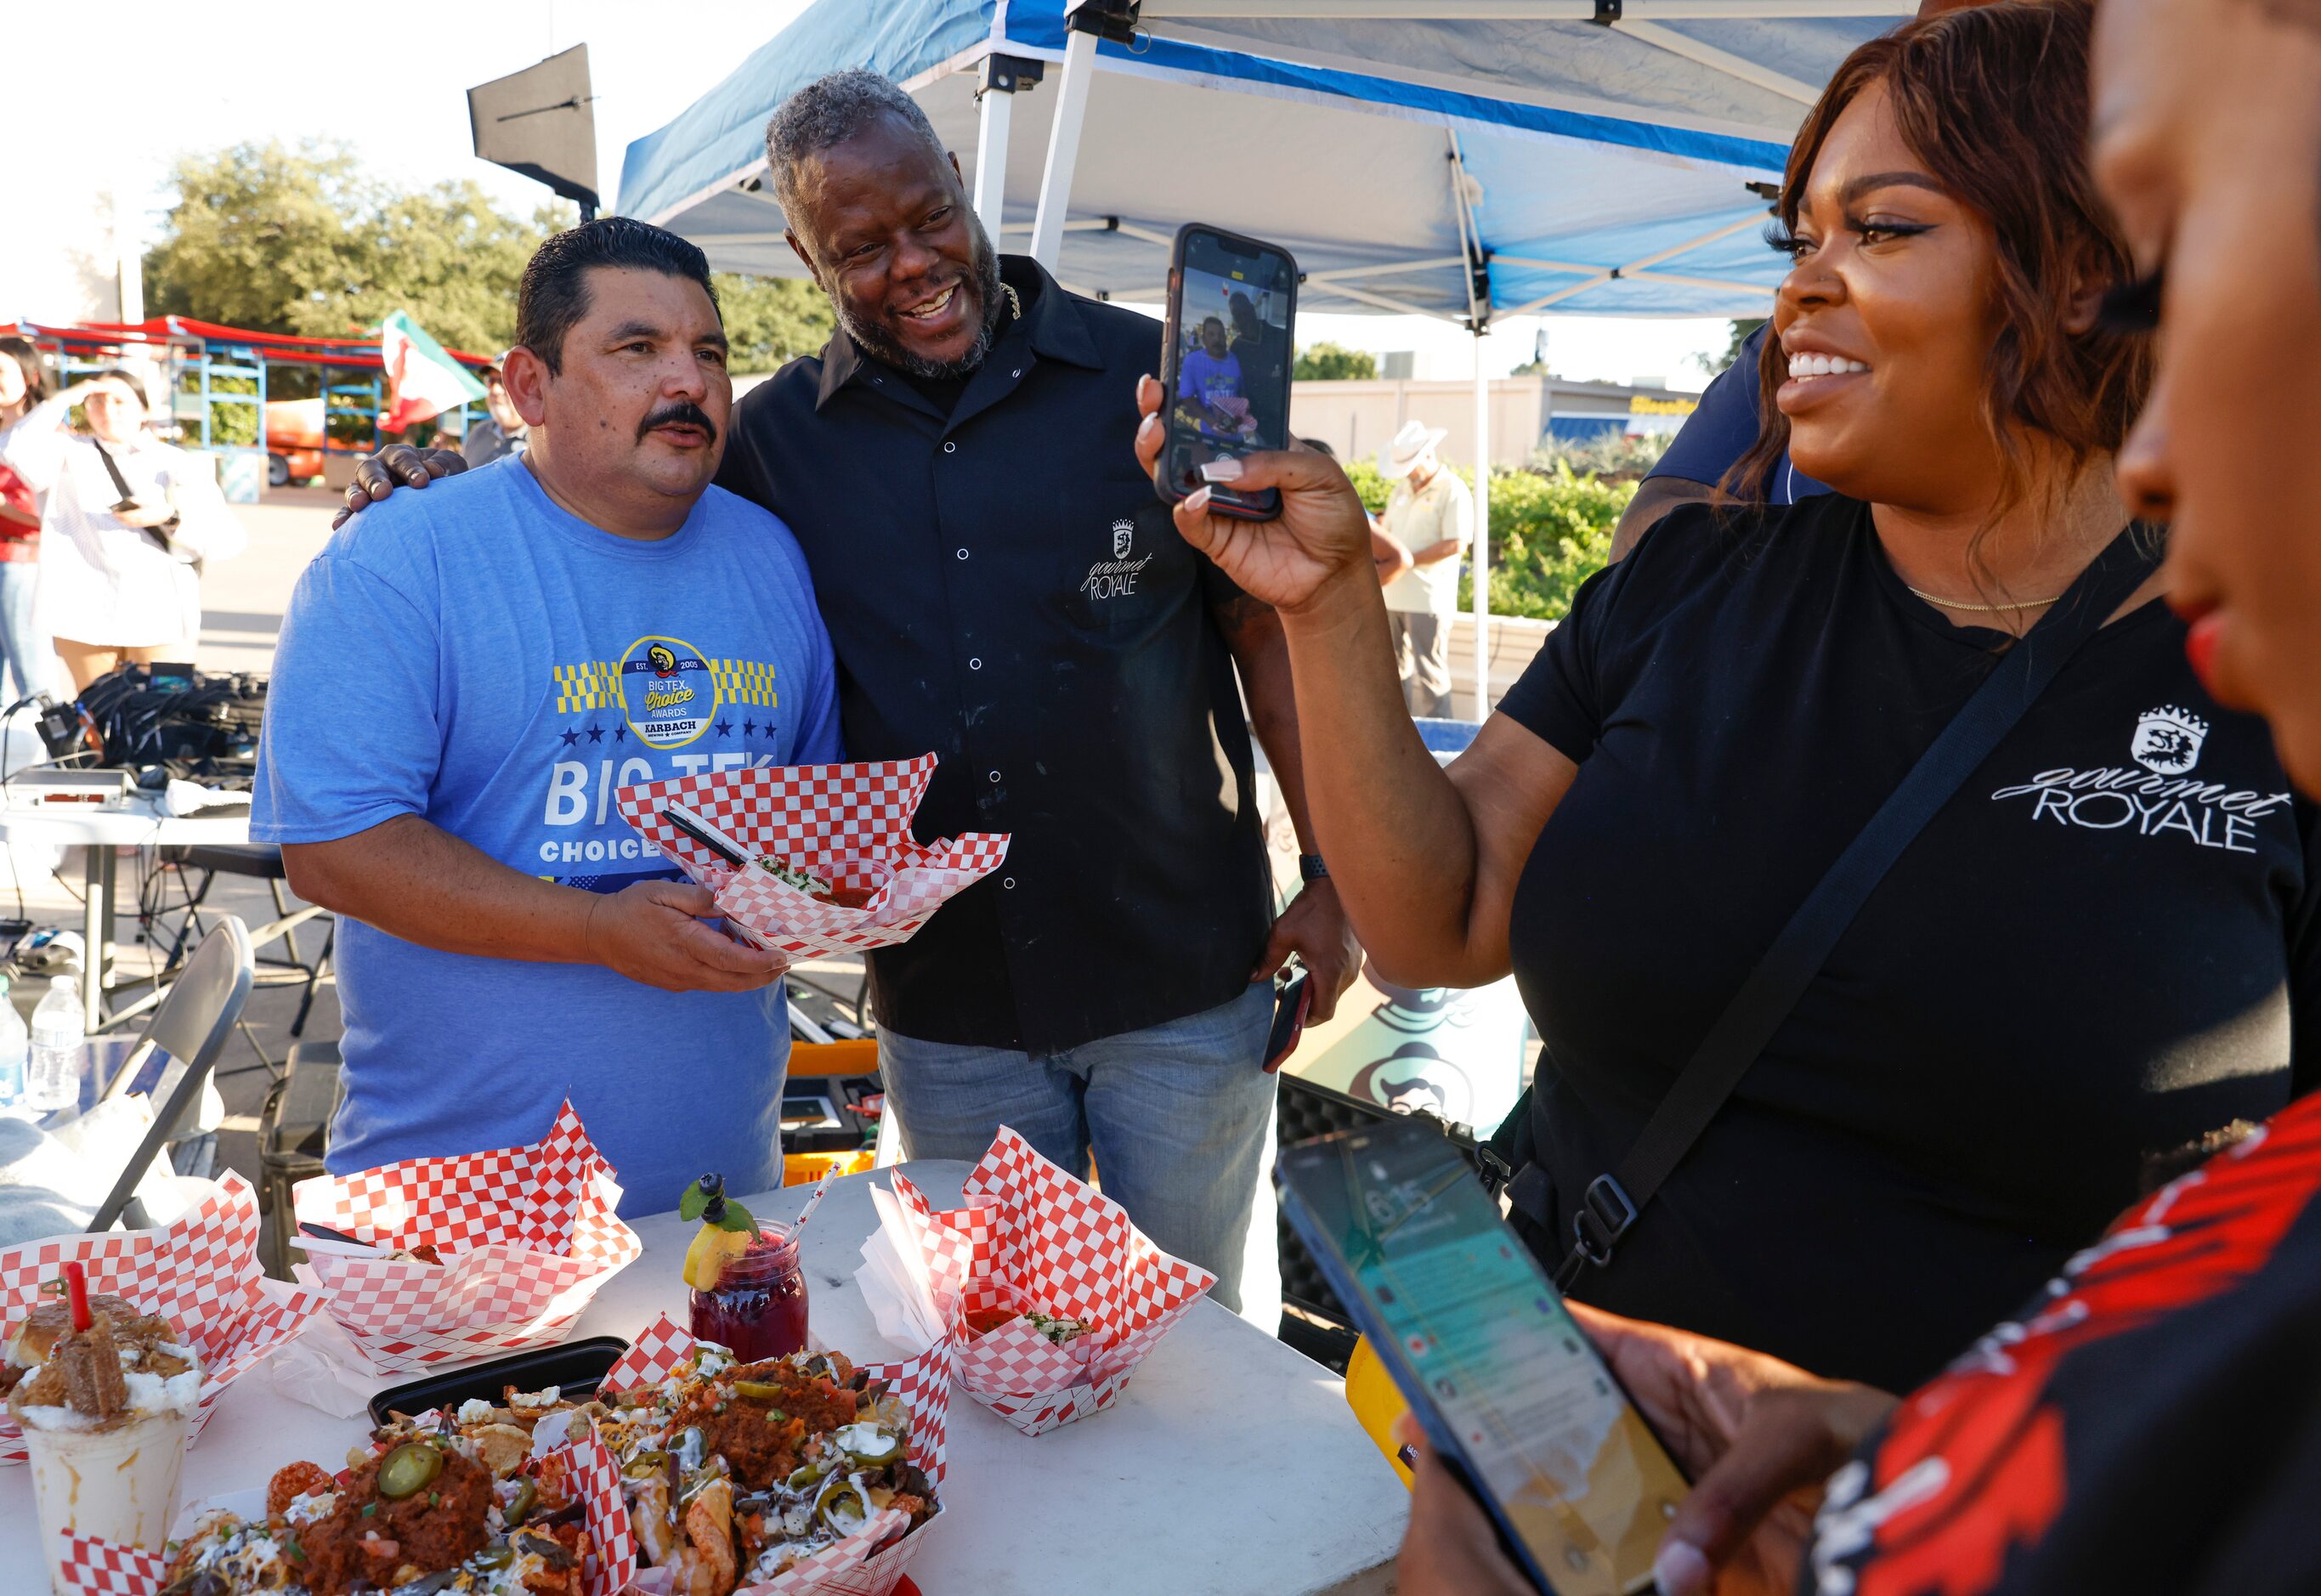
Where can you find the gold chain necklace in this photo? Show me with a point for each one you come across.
(1982, 608)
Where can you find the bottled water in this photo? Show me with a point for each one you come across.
(15, 1045)
(53, 1080)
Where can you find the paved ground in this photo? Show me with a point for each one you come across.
(243, 600)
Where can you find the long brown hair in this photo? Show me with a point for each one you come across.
(1994, 100)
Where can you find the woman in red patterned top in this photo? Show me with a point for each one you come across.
(2145, 1424)
(23, 653)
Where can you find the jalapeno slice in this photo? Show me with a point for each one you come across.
(498, 1556)
(757, 1391)
(527, 1497)
(842, 1506)
(644, 1465)
(408, 1469)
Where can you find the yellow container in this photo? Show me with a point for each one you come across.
(802, 1169)
(1377, 1402)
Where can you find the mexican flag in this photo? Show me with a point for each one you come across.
(422, 378)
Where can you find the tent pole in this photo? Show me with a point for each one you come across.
(1063, 148)
(1483, 533)
(991, 160)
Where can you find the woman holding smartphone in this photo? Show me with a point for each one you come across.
(2101, 946)
(129, 522)
(2142, 1426)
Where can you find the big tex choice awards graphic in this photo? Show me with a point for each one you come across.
(667, 690)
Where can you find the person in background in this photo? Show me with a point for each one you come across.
(2106, 943)
(127, 522)
(453, 712)
(502, 430)
(1430, 517)
(23, 651)
(2143, 1427)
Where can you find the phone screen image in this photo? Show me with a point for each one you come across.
(1579, 1479)
(1232, 357)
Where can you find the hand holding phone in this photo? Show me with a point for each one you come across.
(1226, 362)
(1513, 1396)
(1290, 1005)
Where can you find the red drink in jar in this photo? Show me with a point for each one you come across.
(758, 1306)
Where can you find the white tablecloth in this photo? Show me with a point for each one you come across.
(1230, 1465)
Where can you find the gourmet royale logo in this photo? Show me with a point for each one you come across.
(1117, 577)
(2155, 794)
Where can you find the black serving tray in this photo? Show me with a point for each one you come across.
(578, 1366)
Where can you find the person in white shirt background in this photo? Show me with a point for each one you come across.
(127, 521)
(1430, 516)
(24, 649)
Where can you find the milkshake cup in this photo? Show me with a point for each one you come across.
(105, 1400)
(117, 1481)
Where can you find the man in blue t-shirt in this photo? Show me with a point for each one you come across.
(1210, 381)
(1714, 435)
(466, 678)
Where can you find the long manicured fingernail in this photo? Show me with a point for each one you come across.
(1197, 501)
(1223, 468)
(1681, 1569)
(1148, 425)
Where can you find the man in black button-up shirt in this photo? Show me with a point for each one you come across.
(1002, 587)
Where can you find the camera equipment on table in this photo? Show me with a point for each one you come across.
(172, 722)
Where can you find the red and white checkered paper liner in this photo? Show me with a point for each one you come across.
(200, 1272)
(93, 1567)
(850, 825)
(1029, 1235)
(856, 1566)
(528, 1236)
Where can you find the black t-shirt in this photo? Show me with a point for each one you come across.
(2150, 1425)
(2104, 945)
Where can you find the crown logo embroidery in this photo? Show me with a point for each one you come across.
(2168, 740)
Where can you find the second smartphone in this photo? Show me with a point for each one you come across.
(1225, 361)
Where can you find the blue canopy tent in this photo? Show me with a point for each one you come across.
(1461, 159)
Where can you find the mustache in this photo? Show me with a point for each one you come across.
(684, 413)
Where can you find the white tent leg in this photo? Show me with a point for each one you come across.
(1063, 148)
(1482, 534)
(991, 160)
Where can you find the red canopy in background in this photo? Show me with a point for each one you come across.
(159, 330)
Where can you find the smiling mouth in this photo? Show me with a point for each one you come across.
(1804, 367)
(928, 310)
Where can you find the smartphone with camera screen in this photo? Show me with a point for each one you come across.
(1512, 1395)
(1225, 359)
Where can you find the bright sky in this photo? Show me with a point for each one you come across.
(164, 77)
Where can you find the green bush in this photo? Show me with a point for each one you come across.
(234, 424)
(1332, 362)
(1551, 531)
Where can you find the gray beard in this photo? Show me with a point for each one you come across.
(877, 342)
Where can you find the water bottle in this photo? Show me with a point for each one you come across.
(15, 1045)
(53, 1080)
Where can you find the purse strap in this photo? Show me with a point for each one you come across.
(1612, 1202)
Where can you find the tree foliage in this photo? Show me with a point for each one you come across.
(305, 242)
(1332, 362)
(770, 320)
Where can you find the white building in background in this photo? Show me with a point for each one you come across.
(1356, 416)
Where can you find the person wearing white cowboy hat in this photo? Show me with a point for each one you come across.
(1430, 515)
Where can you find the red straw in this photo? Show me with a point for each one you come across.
(76, 1291)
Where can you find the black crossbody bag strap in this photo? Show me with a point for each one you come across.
(1612, 1202)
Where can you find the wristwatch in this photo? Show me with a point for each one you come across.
(1310, 868)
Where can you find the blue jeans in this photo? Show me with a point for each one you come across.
(1179, 1117)
(24, 651)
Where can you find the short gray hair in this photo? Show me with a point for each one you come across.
(828, 111)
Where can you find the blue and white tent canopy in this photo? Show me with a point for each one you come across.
(1592, 168)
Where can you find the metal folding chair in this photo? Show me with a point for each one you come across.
(191, 1025)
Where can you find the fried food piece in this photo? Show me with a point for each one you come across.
(46, 1326)
(656, 1525)
(294, 1480)
(704, 1565)
(83, 1373)
(501, 1447)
